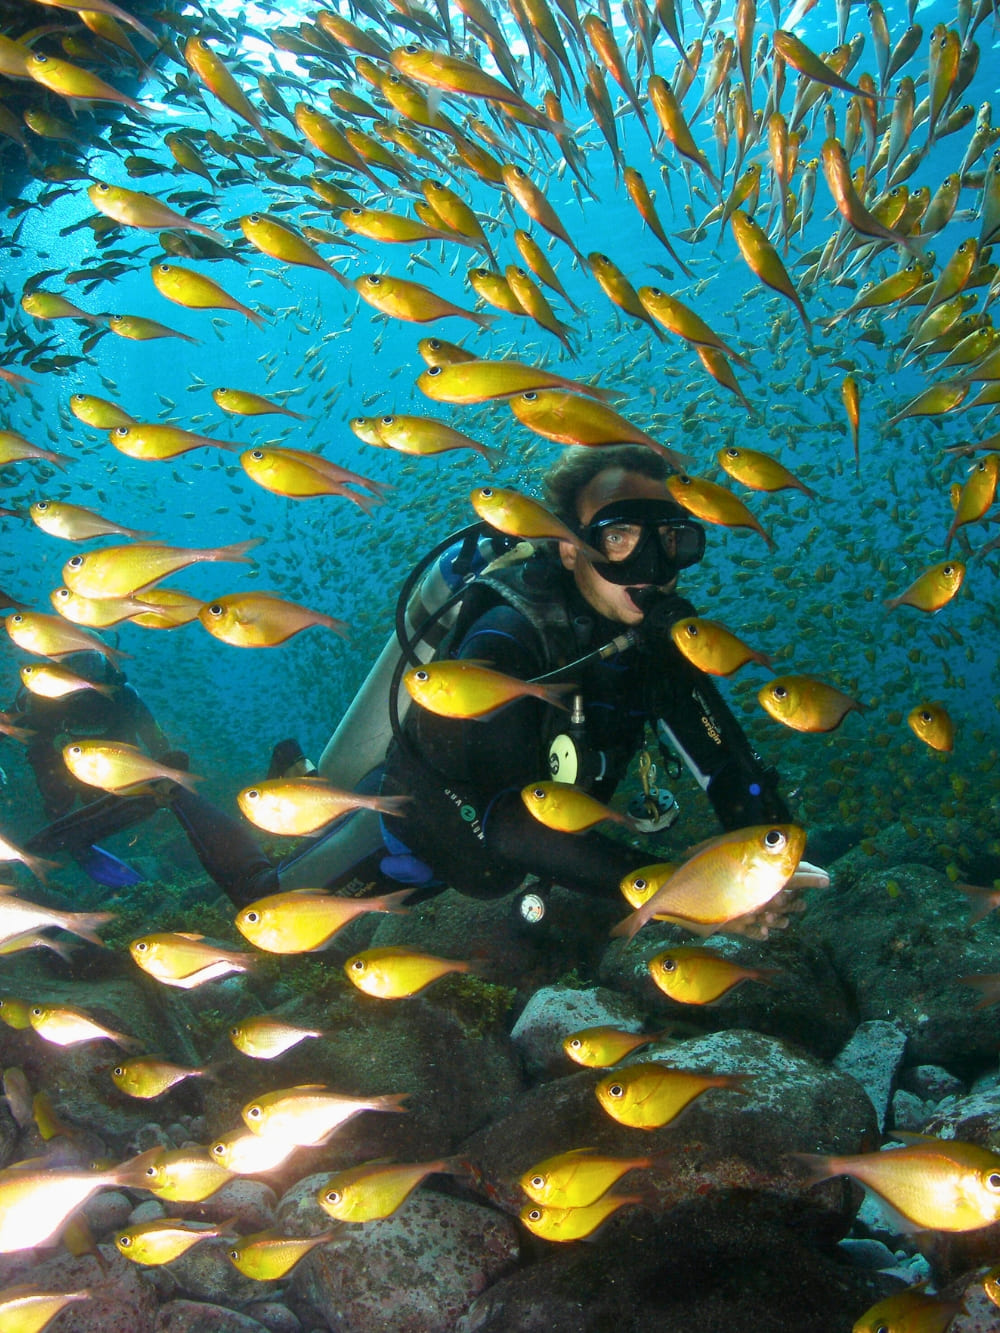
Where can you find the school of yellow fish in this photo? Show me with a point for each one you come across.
(849, 177)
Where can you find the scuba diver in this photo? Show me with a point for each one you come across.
(548, 616)
(226, 849)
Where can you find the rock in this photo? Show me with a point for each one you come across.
(908, 1112)
(298, 1213)
(805, 1003)
(930, 841)
(930, 1082)
(147, 1211)
(108, 1211)
(873, 1057)
(250, 1203)
(275, 1317)
(121, 1300)
(900, 939)
(204, 1273)
(867, 1253)
(199, 1317)
(724, 1141)
(10, 1135)
(555, 1011)
(728, 1263)
(414, 1272)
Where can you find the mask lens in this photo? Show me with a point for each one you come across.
(644, 544)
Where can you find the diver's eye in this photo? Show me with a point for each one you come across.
(435, 370)
(252, 918)
(215, 609)
(774, 839)
(616, 1090)
(256, 454)
(530, 397)
(75, 561)
(254, 1113)
(779, 692)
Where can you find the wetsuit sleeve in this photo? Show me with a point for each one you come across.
(696, 722)
(144, 726)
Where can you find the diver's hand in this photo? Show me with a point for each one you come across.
(776, 914)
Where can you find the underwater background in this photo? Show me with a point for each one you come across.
(816, 602)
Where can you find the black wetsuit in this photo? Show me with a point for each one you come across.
(468, 820)
(226, 850)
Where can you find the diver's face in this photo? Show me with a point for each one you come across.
(609, 599)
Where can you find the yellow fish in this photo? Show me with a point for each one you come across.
(440, 352)
(714, 504)
(36, 1202)
(730, 876)
(247, 1154)
(712, 647)
(51, 636)
(264, 1037)
(806, 704)
(75, 523)
(18, 917)
(411, 301)
(468, 689)
(50, 305)
(65, 1026)
(147, 1076)
(763, 259)
(258, 620)
(217, 78)
(164, 1239)
(266, 1256)
(299, 806)
(566, 1224)
(240, 402)
(618, 289)
(138, 329)
(98, 412)
(373, 1190)
(135, 209)
(650, 1095)
(567, 808)
(301, 920)
(393, 229)
(680, 319)
(15, 1013)
(115, 766)
(185, 961)
(183, 1175)
(977, 494)
(701, 976)
(933, 589)
(277, 239)
(520, 516)
(117, 571)
(596, 1048)
(308, 1114)
(300, 475)
(27, 1309)
(152, 443)
(75, 84)
(909, 1311)
(991, 1284)
(393, 973)
(759, 471)
(14, 448)
(936, 1185)
(95, 613)
(50, 681)
(577, 1178)
(475, 381)
(569, 419)
(423, 436)
(931, 723)
(169, 608)
(195, 291)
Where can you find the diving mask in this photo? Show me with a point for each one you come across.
(644, 541)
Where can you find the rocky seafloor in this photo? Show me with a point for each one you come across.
(866, 1028)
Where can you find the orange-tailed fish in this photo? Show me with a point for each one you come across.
(568, 809)
(577, 1178)
(212, 71)
(468, 689)
(195, 291)
(116, 571)
(569, 1224)
(116, 766)
(521, 516)
(599, 1047)
(931, 723)
(693, 975)
(304, 920)
(850, 393)
(714, 504)
(373, 1190)
(260, 620)
(712, 647)
(266, 1256)
(296, 807)
(535, 204)
(393, 973)
(185, 961)
(933, 589)
(759, 471)
(478, 381)
(649, 1095)
(805, 703)
(411, 301)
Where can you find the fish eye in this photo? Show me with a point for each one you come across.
(993, 1180)
(372, 279)
(102, 187)
(422, 676)
(254, 1113)
(387, 421)
(948, 570)
(254, 218)
(251, 919)
(434, 344)
(121, 431)
(774, 839)
(333, 1196)
(256, 454)
(487, 492)
(37, 1011)
(75, 561)
(655, 291)
(17, 618)
(234, 1255)
(434, 370)
(411, 50)
(75, 750)
(668, 965)
(358, 965)
(123, 1241)
(732, 453)
(691, 631)
(118, 1071)
(779, 692)
(40, 59)
(639, 884)
(926, 716)
(530, 397)
(219, 1148)
(519, 173)
(539, 793)
(616, 1090)
(685, 480)
(535, 1215)
(163, 268)
(42, 505)
(215, 609)
(151, 1171)
(536, 1182)
(141, 946)
(356, 212)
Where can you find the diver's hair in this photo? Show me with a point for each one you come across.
(576, 467)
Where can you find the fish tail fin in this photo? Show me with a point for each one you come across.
(85, 925)
(392, 1101)
(395, 901)
(39, 866)
(134, 1173)
(483, 320)
(818, 1166)
(254, 317)
(239, 551)
(627, 928)
(394, 805)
